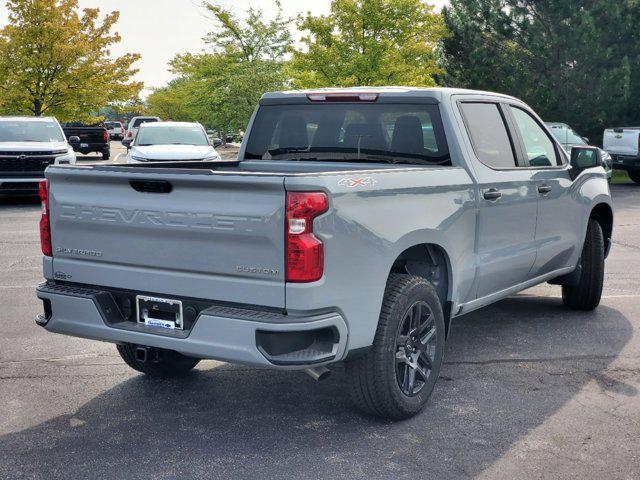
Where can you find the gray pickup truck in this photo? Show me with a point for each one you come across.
(354, 226)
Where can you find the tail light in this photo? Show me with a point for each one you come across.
(45, 225)
(343, 97)
(130, 134)
(106, 136)
(304, 251)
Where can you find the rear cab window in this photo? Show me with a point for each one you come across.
(342, 131)
(140, 121)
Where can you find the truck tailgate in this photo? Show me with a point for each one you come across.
(621, 141)
(212, 236)
(86, 134)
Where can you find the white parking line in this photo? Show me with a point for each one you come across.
(117, 157)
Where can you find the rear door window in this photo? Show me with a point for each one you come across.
(488, 133)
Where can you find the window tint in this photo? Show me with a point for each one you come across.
(375, 132)
(540, 149)
(489, 134)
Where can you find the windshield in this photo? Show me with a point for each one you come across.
(30, 131)
(397, 133)
(566, 135)
(172, 136)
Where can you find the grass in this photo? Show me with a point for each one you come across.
(620, 176)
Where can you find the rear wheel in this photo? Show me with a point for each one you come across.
(585, 295)
(106, 155)
(158, 362)
(634, 175)
(396, 377)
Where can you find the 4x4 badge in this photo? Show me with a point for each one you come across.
(357, 182)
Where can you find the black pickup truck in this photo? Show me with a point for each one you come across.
(93, 138)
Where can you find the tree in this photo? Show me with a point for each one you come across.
(220, 88)
(56, 61)
(173, 102)
(571, 61)
(369, 42)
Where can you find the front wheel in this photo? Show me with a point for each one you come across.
(158, 362)
(396, 377)
(586, 294)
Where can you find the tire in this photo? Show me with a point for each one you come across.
(167, 364)
(586, 294)
(634, 175)
(378, 380)
(106, 155)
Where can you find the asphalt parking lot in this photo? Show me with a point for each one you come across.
(528, 390)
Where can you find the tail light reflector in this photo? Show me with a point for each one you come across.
(45, 225)
(304, 251)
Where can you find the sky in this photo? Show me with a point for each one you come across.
(159, 29)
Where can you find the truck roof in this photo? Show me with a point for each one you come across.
(437, 93)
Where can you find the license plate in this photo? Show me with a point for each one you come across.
(84, 145)
(161, 313)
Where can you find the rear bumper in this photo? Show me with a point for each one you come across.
(91, 147)
(20, 185)
(229, 334)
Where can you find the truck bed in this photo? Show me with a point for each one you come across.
(204, 230)
(251, 167)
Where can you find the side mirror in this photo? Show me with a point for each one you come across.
(586, 140)
(74, 139)
(216, 142)
(583, 158)
(126, 142)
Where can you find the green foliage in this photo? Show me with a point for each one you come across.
(576, 62)
(173, 102)
(221, 88)
(369, 42)
(56, 61)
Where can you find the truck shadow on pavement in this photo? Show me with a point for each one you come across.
(508, 368)
(19, 200)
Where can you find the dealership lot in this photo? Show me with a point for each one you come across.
(528, 390)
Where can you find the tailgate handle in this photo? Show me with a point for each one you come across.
(151, 186)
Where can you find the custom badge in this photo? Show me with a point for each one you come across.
(353, 182)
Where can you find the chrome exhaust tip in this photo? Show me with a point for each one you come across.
(318, 373)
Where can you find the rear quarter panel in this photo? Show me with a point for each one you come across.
(368, 227)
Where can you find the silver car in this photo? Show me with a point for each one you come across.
(568, 138)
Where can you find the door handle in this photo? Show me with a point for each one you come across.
(544, 189)
(492, 194)
(151, 186)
